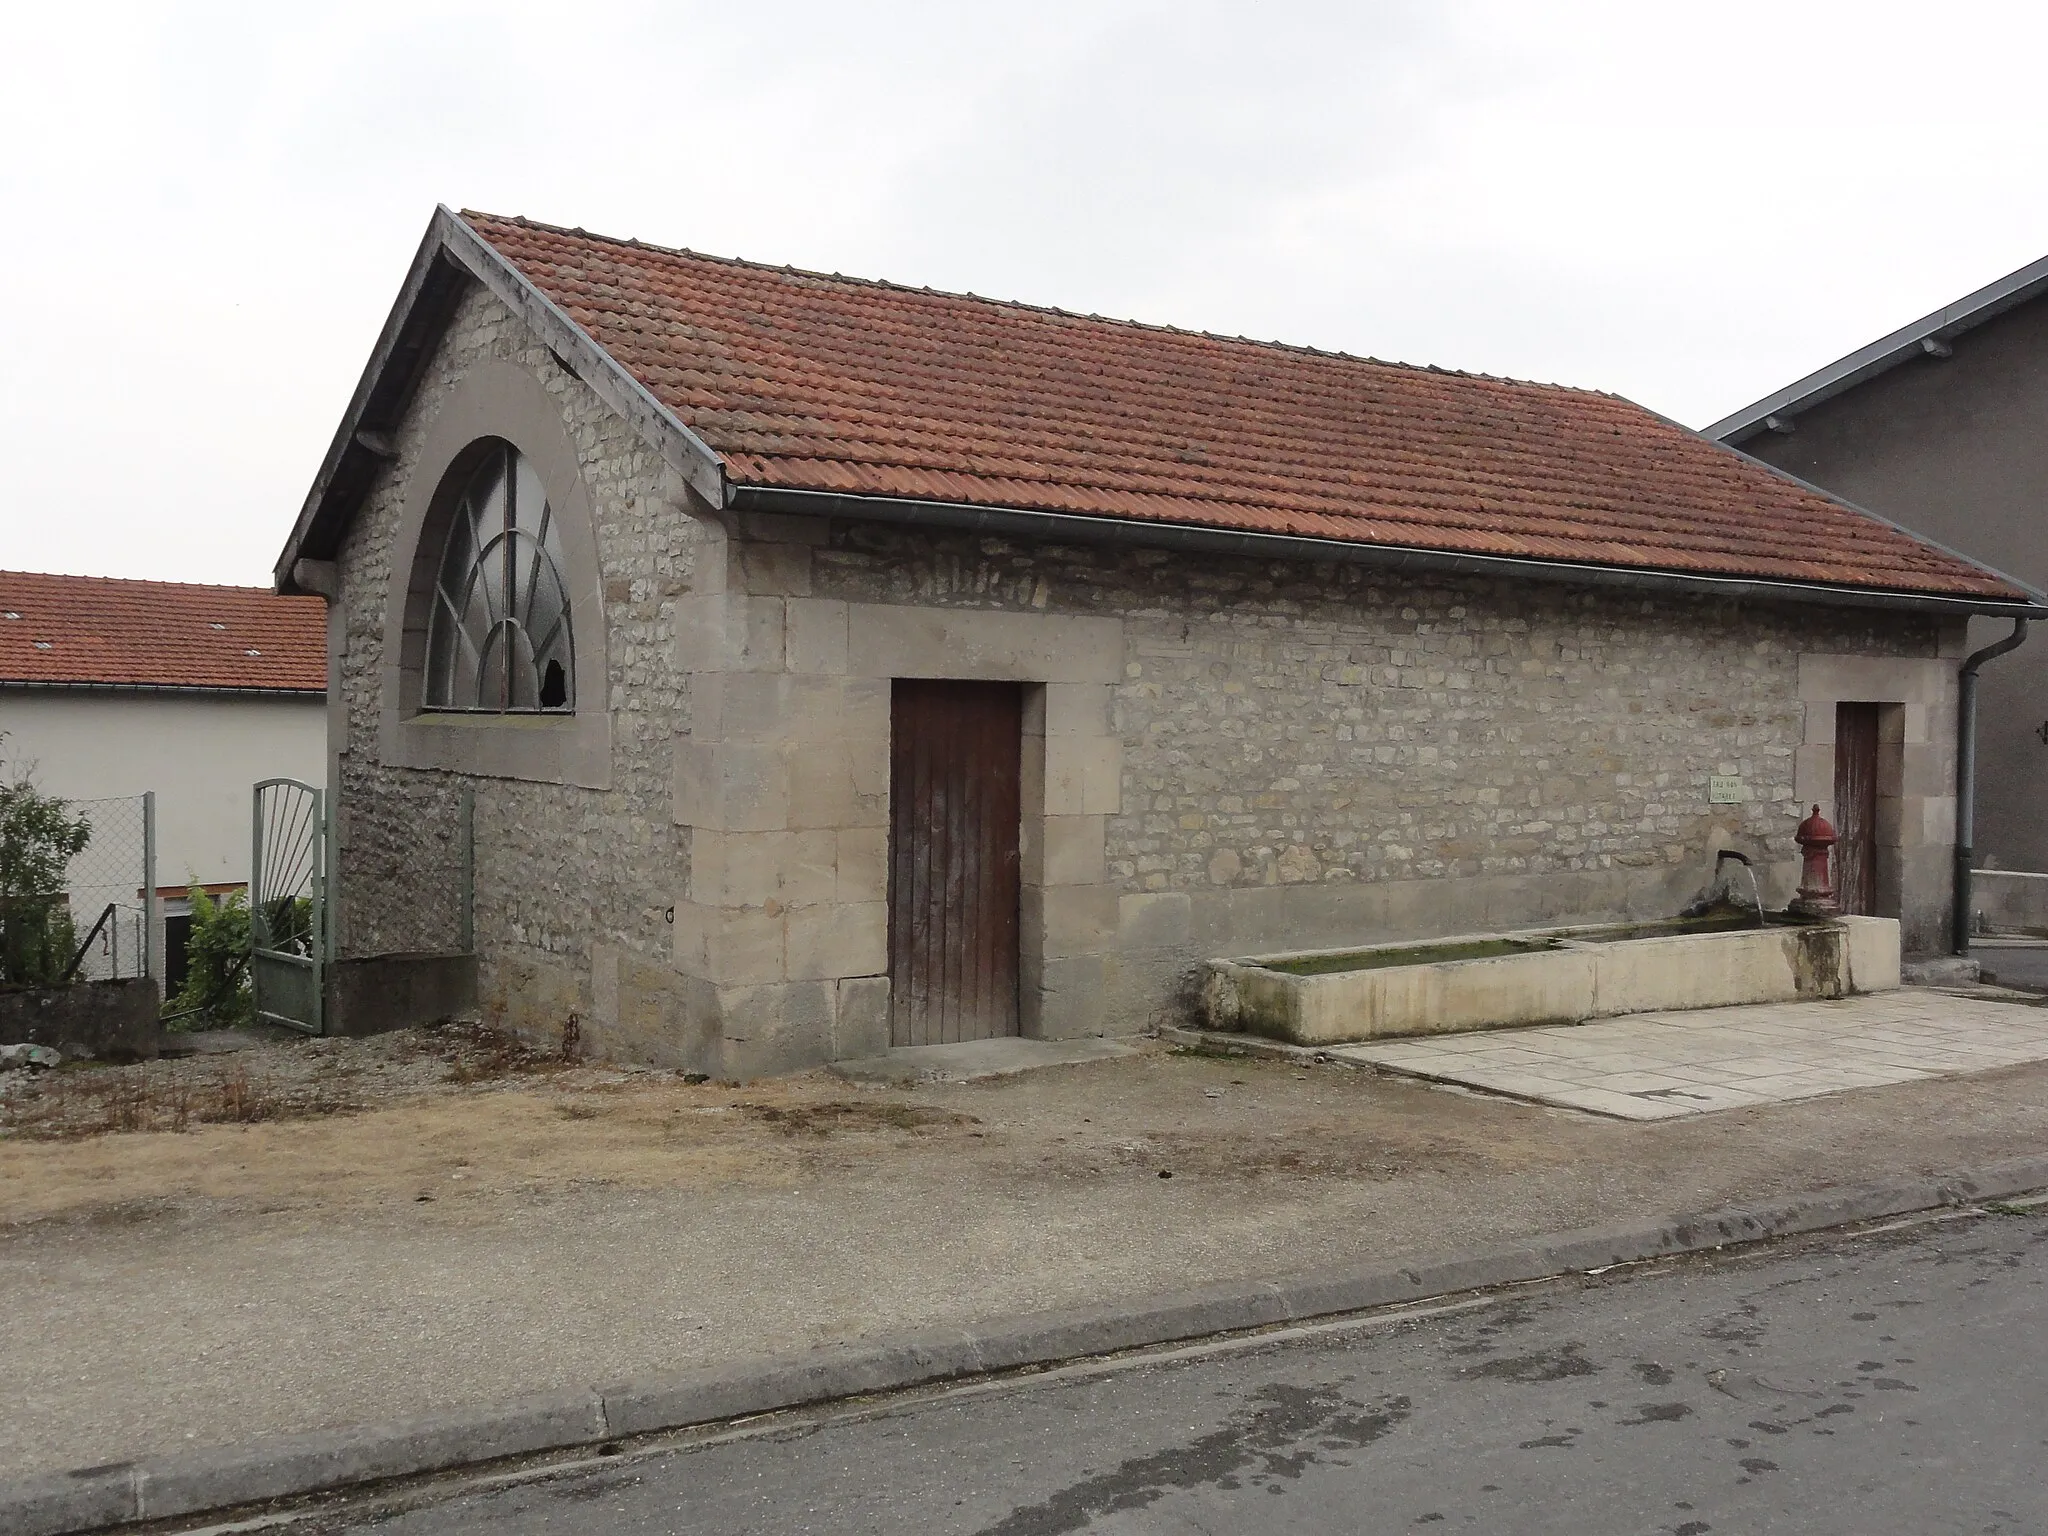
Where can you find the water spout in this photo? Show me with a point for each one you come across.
(1755, 890)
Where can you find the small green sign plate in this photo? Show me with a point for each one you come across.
(1724, 790)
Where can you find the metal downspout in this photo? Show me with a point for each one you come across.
(1966, 780)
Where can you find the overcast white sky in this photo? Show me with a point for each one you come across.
(206, 210)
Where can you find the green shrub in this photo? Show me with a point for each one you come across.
(288, 925)
(216, 991)
(38, 839)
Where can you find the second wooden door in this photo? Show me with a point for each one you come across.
(1856, 807)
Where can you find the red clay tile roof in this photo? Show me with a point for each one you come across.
(802, 381)
(158, 634)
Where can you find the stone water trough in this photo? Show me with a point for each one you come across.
(1547, 976)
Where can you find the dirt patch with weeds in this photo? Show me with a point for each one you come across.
(460, 1123)
(458, 1112)
(274, 1080)
(843, 1115)
(462, 1113)
(71, 1106)
(1355, 1155)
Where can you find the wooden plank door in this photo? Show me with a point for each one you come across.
(1856, 807)
(956, 751)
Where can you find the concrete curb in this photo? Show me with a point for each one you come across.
(1217, 1042)
(195, 1482)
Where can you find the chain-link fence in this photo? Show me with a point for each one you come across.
(107, 889)
(88, 917)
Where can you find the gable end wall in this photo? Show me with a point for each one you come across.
(573, 885)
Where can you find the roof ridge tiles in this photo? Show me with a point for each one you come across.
(134, 581)
(1026, 306)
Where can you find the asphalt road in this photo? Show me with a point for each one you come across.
(1894, 1382)
(2017, 965)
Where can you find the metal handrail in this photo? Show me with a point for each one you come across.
(72, 969)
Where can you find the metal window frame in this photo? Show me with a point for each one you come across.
(504, 457)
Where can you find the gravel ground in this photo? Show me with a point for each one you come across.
(447, 1221)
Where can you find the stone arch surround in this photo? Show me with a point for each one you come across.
(495, 398)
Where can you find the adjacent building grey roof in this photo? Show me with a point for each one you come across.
(1926, 335)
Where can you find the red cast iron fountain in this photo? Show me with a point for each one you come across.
(1815, 837)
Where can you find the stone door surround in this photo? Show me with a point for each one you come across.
(1916, 767)
(784, 777)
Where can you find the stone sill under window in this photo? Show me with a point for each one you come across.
(473, 717)
(563, 748)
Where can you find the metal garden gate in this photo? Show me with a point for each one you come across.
(288, 922)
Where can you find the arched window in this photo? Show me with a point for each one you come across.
(499, 638)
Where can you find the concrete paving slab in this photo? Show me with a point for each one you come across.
(1624, 1061)
(1625, 1106)
(1637, 1082)
(969, 1060)
(1657, 1066)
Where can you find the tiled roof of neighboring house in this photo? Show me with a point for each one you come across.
(158, 634)
(808, 382)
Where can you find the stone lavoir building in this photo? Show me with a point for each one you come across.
(836, 664)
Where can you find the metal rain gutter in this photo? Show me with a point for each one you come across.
(1966, 780)
(1082, 529)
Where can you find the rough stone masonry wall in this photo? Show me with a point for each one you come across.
(1322, 755)
(1226, 756)
(574, 886)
